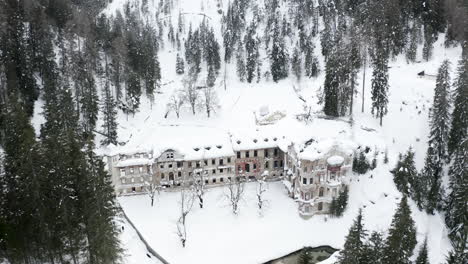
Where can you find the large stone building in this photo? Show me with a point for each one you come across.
(317, 172)
(314, 172)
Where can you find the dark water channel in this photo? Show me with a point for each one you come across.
(316, 254)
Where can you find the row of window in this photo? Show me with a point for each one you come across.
(196, 164)
(131, 170)
(132, 180)
(205, 172)
(319, 207)
(255, 153)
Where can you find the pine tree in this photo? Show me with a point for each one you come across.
(278, 56)
(180, 68)
(353, 250)
(251, 48)
(456, 216)
(380, 82)
(422, 255)
(211, 78)
(428, 42)
(411, 50)
(360, 164)
(109, 126)
(296, 63)
(405, 173)
(438, 137)
(459, 125)
(374, 249)
(240, 63)
(401, 238)
(20, 194)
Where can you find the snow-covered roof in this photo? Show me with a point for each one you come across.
(133, 162)
(335, 160)
(318, 149)
(258, 139)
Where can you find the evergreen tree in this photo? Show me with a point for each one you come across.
(411, 50)
(338, 204)
(374, 249)
(405, 173)
(401, 238)
(278, 56)
(456, 216)
(109, 111)
(133, 93)
(251, 48)
(438, 137)
(428, 42)
(353, 250)
(240, 63)
(422, 255)
(380, 82)
(20, 194)
(360, 164)
(180, 68)
(296, 63)
(211, 78)
(459, 125)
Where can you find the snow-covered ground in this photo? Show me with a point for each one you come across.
(214, 234)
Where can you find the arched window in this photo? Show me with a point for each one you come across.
(321, 191)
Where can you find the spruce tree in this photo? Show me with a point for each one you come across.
(374, 249)
(296, 63)
(405, 173)
(380, 82)
(456, 216)
(438, 137)
(459, 122)
(411, 50)
(354, 251)
(20, 192)
(240, 63)
(251, 48)
(422, 255)
(109, 126)
(211, 78)
(180, 68)
(278, 56)
(401, 238)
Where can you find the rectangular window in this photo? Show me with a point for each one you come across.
(131, 170)
(122, 172)
(266, 153)
(123, 180)
(221, 170)
(254, 166)
(206, 181)
(247, 154)
(255, 153)
(275, 164)
(221, 180)
(161, 166)
(179, 174)
(170, 165)
(179, 164)
(267, 165)
(229, 160)
(140, 169)
(205, 162)
(238, 154)
(214, 180)
(133, 179)
(221, 162)
(213, 162)
(281, 163)
(213, 171)
(275, 152)
(198, 164)
(304, 181)
(189, 164)
(239, 168)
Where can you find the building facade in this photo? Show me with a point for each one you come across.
(313, 174)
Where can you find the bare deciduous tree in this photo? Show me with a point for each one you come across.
(176, 101)
(261, 188)
(210, 100)
(186, 204)
(235, 193)
(199, 186)
(152, 189)
(191, 93)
